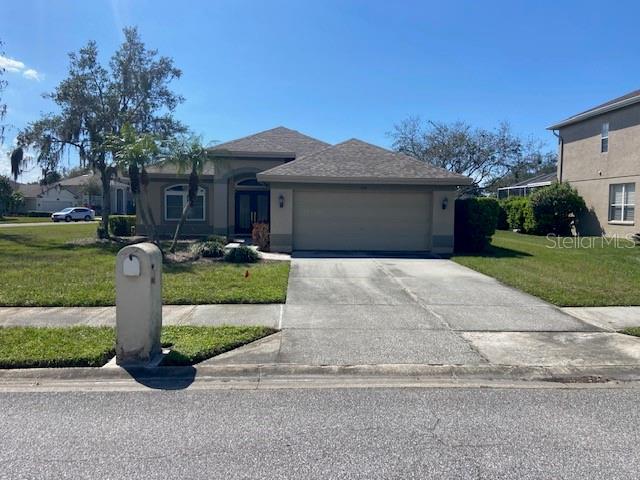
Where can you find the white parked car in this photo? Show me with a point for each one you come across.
(74, 214)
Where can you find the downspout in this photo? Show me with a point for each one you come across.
(560, 159)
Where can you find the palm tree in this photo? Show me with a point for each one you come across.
(187, 153)
(133, 153)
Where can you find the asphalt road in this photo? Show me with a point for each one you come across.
(325, 434)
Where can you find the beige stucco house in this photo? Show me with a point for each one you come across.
(599, 154)
(315, 196)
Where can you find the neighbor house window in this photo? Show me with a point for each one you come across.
(175, 198)
(604, 138)
(622, 201)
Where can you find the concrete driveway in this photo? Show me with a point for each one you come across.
(359, 311)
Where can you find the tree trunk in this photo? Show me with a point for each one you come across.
(141, 213)
(145, 210)
(105, 177)
(183, 218)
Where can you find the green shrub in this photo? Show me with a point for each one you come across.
(519, 214)
(503, 224)
(555, 209)
(121, 225)
(33, 213)
(101, 233)
(241, 254)
(475, 222)
(260, 236)
(208, 249)
(218, 239)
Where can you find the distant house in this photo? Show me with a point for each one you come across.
(527, 187)
(598, 155)
(41, 198)
(82, 190)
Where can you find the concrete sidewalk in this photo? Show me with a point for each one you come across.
(267, 315)
(611, 319)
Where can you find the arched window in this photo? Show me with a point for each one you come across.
(175, 198)
(250, 184)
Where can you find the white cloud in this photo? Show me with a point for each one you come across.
(31, 74)
(10, 64)
(16, 66)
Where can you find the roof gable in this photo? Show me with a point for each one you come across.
(355, 160)
(277, 140)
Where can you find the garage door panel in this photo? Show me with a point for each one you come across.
(362, 220)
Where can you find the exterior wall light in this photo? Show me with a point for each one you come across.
(281, 200)
(445, 202)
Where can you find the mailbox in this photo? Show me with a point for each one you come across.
(138, 304)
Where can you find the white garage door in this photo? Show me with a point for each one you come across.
(54, 205)
(364, 220)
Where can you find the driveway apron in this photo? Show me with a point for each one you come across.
(360, 311)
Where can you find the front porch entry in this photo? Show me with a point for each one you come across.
(251, 205)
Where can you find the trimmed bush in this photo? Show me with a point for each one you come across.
(208, 249)
(475, 223)
(120, 225)
(241, 254)
(33, 213)
(260, 236)
(556, 208)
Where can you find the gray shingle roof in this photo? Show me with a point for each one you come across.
(29, 190)
(614, 104)
(276, 140)
(358, 161)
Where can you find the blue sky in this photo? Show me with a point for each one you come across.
(342, 69)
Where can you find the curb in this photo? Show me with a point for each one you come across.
(324, 373)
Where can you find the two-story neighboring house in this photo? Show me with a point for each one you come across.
(599, 155)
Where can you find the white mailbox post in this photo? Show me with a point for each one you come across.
(138, 304)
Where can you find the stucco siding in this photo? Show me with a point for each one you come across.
(592, 172)
(596, 196)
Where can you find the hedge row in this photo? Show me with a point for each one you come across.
(33, 213)
(476, 220)
(555, 209)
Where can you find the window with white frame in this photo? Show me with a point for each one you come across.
(604, 138)
(622, 202)
(176, 197)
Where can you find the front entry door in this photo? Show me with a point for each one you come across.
(251, 207)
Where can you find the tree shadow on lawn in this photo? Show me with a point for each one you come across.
(44, 243)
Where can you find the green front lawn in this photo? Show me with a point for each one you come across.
(28, 347)
(24, 220)
(599, 276)
(39, 267)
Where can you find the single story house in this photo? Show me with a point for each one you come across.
(81, 190)
(352, 196)
(528, 186)
(41, 198)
